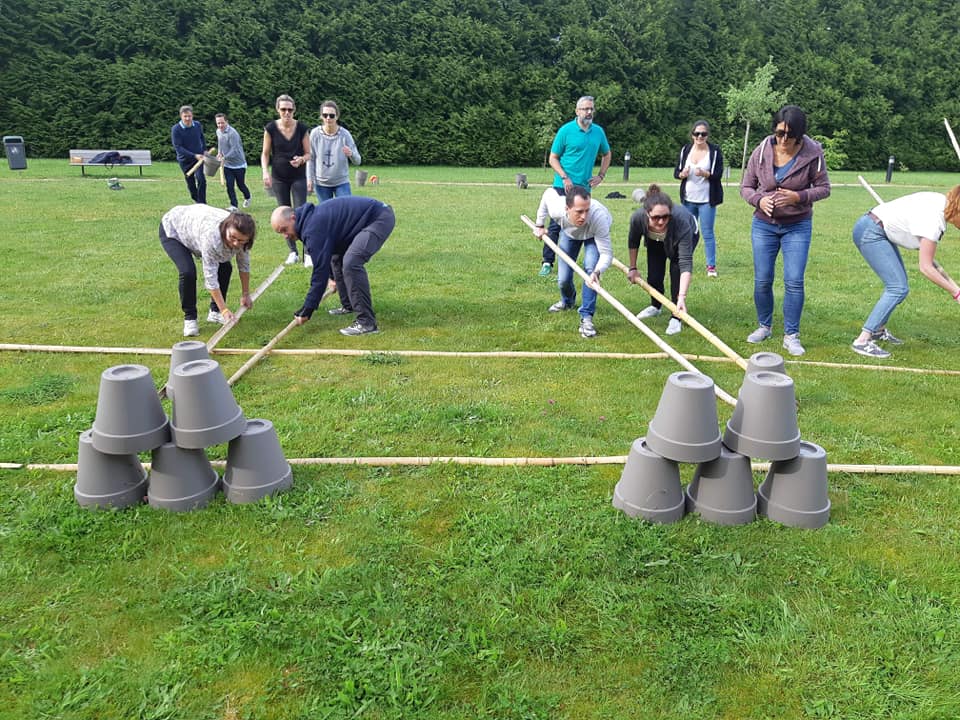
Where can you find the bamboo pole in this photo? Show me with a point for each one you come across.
(261, 352)
(720, 392)
(218, 335)
(687, 318)
(196, 167)
(869, 189)
(528, 461)
(953, 138)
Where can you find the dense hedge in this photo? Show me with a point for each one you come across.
(477, 82)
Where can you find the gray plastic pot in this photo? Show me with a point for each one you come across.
(721, 490)
(649, 486)
(130, 417)
(764, 421)
(185, 352)
(205, 412)
(766, 361)
(256, 466)
(685, 427)
(105, 480)
(794, 492)
(181, 479)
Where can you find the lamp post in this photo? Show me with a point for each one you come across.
(626, 165)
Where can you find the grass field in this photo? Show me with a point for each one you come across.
(450, 591)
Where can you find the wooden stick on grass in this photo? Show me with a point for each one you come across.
(218, 335)
(258, 356)
(723, 395)
(869, 189)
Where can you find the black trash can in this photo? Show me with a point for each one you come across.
(16, 153)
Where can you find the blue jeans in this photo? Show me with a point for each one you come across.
(884, 258)
(568, 292)
(328, 193)
(706, 214)
(768, 240)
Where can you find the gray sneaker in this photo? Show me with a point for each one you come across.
(560, 306)
(587, 329)
(649, 312)
(357, 329)
(870, 349)
(339, 311)
(759, 335)
(791, 343)
(885, 336)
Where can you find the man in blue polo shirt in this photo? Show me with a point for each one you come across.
(572, 156)
(340, 235)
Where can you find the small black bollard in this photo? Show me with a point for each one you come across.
(626, 165)
(890, 164)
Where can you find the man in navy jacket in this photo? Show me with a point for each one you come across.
(340, 235)
(187, 139)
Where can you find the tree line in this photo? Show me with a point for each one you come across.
(481, 82)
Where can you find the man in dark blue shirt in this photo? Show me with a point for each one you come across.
(340, 235)
(187, 139)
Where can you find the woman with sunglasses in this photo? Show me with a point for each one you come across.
(700, 172)
(286, 150)
(786, 174)
(332, 149)
(669, 232)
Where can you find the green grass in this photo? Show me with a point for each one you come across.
(450, 591)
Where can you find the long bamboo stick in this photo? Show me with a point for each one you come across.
(869, 189)
(631, 318)
(218, 335)
(953, 138)
(687, 318)
(261, 352)
(531, 461)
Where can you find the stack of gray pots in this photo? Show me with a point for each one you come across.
(130, 419)
(764, 425)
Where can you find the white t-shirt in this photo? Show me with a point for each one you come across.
(697, 189)
(911, 217)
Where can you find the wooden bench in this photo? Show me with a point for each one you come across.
(138, 158)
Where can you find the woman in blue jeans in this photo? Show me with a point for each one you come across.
(700, 172)
(914, 222)
(786, 174)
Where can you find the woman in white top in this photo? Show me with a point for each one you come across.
(700, 172)
(332, 149)
(914, 222)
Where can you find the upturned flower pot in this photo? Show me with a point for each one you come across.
(794, 492)
(130, 418)
(764, 421)
(181, 479)
(205, 412)
(256, 466)
(685, 427)
(107, 480)
(185, 352)
(361, 176)
(210, 165)
(649, 486)
(721, 490)
(766, 361)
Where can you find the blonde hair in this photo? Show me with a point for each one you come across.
(951, 213)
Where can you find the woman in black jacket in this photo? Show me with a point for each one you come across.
(700, 172)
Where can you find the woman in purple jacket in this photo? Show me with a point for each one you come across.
(786, 174)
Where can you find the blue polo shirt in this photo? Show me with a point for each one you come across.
(578, 150)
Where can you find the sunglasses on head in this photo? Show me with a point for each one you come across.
(700, 134)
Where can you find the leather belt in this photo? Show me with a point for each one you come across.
(877, 220)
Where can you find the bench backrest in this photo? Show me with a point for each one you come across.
(137, 157)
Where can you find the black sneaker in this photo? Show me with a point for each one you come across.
(885, 336)
(870, 349)
(340, 311)
(358, 329)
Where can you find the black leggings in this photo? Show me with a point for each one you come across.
(187, 267)
(282, 191)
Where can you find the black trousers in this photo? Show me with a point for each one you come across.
(196, 183)
(187, 267)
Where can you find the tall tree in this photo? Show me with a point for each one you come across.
(754, 101)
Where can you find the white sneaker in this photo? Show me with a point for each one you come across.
(190, 328)
(307, 260)
(791, 343)
(674, 327)
(215, 317)
(246, 202)
(649, 312)
(587, 329)
(231, 208)
(759, 335)
(292, 259)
